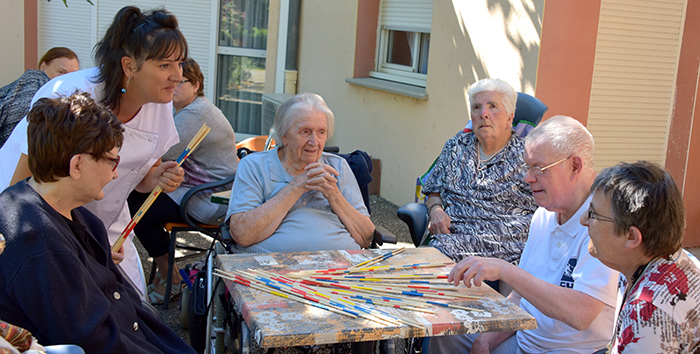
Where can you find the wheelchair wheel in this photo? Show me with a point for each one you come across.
(184, 306)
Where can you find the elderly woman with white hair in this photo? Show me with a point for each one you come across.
(295, 197)
(478, 202)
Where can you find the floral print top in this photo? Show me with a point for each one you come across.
(661, 313)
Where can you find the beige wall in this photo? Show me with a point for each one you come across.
(405, 133)
(11, 41)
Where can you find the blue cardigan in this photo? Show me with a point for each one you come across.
(52, 287)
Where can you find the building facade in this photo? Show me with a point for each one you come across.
(395, 72)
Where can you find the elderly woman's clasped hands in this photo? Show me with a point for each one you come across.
(319, 177)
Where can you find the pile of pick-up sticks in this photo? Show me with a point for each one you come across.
(343, 291)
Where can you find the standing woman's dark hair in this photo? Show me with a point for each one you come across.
(141, 36)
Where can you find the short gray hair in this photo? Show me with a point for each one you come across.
(509, 96)
(645, 196)
(297, 107)
(567, 137)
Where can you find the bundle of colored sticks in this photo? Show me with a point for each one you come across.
(348, 292)
(203, 131)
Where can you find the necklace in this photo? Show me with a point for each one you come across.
(480, 152)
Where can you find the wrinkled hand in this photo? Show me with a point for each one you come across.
(170, 176)
(118, 257)
(477, 269)
(320, 177)
(439, 222)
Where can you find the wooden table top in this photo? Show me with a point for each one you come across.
(278, 322)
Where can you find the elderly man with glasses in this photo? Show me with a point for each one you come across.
(571, 294)
(636, 222)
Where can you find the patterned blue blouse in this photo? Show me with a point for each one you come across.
(490, 206)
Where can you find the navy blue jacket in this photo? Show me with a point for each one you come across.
(52, 287)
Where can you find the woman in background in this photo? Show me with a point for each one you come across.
(15, 97)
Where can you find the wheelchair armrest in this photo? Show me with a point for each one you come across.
(225, 233)
(198, 189)
(382, 235)
(415, 215)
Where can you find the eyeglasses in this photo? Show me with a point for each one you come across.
(182, 82)
(538, 171)
(114, 160)
(593, 215)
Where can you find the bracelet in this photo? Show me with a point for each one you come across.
(430, 210)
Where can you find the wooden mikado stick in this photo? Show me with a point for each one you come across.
(203, 131)
(379, 258)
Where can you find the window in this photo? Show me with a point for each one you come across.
(404, 41)
(241, 53)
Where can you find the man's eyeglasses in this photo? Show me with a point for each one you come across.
(114, 160)
(593, 215)
(182, 82)
(538, 171)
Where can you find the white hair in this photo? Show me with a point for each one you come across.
(509, 96)
(297, 107)
(566, 136)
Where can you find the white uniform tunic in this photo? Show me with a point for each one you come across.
(147, 137)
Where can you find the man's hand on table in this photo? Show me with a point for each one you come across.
(477, 269)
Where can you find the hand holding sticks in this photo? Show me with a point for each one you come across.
(203, 131)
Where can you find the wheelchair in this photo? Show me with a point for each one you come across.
(529, 111)
(223, 326)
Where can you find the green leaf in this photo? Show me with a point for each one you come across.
(65, 2)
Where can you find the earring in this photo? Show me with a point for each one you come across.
(127, 85)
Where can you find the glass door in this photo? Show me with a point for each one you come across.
(241, 55)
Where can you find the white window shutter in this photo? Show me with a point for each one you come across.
(70, 27)
(634, 78)
(81, 25)
(407, 15)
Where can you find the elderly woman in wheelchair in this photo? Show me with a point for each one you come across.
(295, 197)
(478, 202)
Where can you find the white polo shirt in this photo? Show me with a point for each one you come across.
(558, 254)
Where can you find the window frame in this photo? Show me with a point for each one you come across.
(410, 16)
(396, 72)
